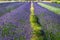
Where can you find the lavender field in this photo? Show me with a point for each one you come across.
(15, 25)
(29, 21)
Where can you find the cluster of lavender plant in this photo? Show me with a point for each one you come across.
(50, 22)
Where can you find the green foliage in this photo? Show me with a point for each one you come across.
(46, 36)
(34, 19)
(52, 36)
(34, 23)
(6, 30)
(16, 38)
(21, 37)
(58, 2)
(57, 35)
(36, 27)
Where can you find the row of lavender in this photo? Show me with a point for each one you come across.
(52, 4)
(8, 7)
(15, 25)
(9, 3)
(50, 22)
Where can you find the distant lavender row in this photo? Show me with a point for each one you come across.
(9, 3)
(9, 7)
(50, 22)
(20, 18)
(52, 4)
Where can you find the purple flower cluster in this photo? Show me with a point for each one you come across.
(20, 18)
